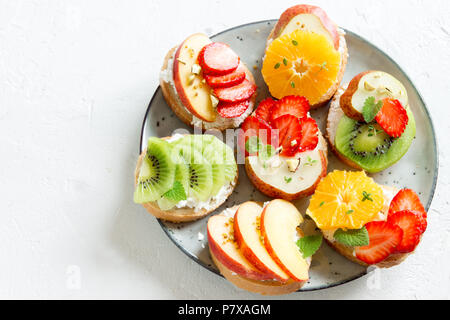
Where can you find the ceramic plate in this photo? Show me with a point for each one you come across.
(414, 170)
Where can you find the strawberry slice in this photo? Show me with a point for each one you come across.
(392, 117)
(407, 199)
(232, 109)
(293, 105)
(384, 237)
(218, 59)
(228, 80)
(253, 126)
(237, 93)
(410, 223)
(309, 134)
(289, 134)
(264, 109)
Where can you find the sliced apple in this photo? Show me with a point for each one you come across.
(248, 236)
(225, 249)
(279, 222)
(194, 93)
(309, 18)
(277, 179)
(367, 84)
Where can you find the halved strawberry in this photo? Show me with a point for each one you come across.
(392, 117)
(410, 223)
(407, 199)
(237, 93)
(384, 237)
(228, 80)
(293, 105)
(232, 109)
(309, 134)
(218, 59)
(253, 126)
(289, 134)
(264, 109)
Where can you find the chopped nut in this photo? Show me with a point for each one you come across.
(293, 164)
(181, 61)
(214, 100)
(293, 143)
(368, 86)
(384, 90)
(196, 69)
(191, 79)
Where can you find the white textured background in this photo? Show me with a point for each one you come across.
(75, 81)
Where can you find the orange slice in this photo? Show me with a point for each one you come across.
(346, 200)
(301, 63)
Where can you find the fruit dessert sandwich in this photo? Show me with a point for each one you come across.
(261, 248)
(368, 223)
(306, 55)
(370, 125)
(285, 153)
(207, 85)
(184, 177)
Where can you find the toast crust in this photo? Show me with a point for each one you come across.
(178, 215)
(272, 192)
(391, 261)
(174, 102)
(344, 56)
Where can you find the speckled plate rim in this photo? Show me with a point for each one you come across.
(427, 113)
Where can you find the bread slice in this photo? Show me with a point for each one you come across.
(273, 192)
(173, 100)
(335, 114)
(179, 215)
(266, 287)
(392, 260)
(343, 49)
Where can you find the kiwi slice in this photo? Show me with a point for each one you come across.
(157, 172)
(182, 176)
(369, 146)
(228, 160)
(200, 171)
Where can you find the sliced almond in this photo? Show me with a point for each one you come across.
(214, 100)
(293, 164)
(191, 79)
(368, 86)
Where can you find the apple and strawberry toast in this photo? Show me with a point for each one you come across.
(260, 248)
(370, 125)
(286, 155)
(306, 55)
(184, 177)
(207, 85)
(368, 223)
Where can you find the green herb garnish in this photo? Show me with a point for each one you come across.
(371, 109)
(367, 196)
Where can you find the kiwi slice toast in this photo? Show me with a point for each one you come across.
(369, 146)
(157, 172)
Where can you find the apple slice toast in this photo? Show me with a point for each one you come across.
(207, 85)
(257, 247)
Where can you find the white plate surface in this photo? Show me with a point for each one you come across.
(418, 169)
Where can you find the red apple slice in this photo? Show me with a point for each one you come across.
(310, 18)
(279, 222)
(193, 92)
(248, 236)
(225, 249)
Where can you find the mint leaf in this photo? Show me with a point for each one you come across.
(371, 109)
(309, 245)
(177, 193)
(352, 238)
(266, 152)
(288, 180)
(252, 145)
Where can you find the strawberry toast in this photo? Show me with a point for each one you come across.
(207, 85)
(286, 155)
(306, 54)
(367, 223)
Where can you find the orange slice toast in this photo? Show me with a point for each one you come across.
(301, 63)
(345, 200)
